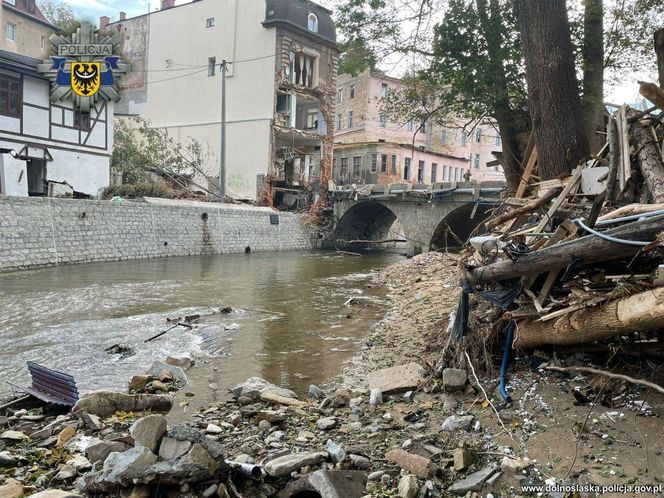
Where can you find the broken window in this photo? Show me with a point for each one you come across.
(357, 166)
(302, 69)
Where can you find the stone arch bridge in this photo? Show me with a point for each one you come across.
(426, 218)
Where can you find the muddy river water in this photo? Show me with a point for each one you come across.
(289, 323)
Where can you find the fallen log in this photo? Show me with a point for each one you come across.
(588, 249)
(649, 160)
(637, 313)
(631, 209)
(652, 92)
(614, 158)
(627, 378)
(526, 209)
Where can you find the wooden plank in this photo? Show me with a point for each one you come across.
(527, 172)
(576, 178)
(626, 169)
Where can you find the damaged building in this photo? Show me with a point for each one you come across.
(280, 86)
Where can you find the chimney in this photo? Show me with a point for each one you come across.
(123, 16)
(104, 21)
(167, 4)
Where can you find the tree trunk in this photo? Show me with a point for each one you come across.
(553, 91)
(640, 312)
(614, 159)
(659, 50)
(528, 208)
(588, 249)
(511, 166)
(593, 73)
(649, 160)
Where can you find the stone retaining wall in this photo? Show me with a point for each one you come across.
(37, 232)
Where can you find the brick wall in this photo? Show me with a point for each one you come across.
(38, 232)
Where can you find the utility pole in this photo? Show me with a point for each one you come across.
(222, 158)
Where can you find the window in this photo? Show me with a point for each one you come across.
(384, 89)
(344, 167)
(209, 23)
(383, 163)
(312, 23)
(302, 70)
(498, 140)
(340, 122)
(374, 162)
(312, 119)
(409, 125)
(335, 171)
(445, 177)
(352, 91)
(81, 120)
(350, 119)
(478, 135)
(464, 138)
(423, 128)
(340, 95)
(357, 166)
(212, 66)
(477, 161)
(11, 32)
(394, 164)
(420, 172)
(443, 137)
(434, 172)
(383, 121)
(406, 169)
(42, 43)
(10, 96)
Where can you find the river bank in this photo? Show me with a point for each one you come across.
(427, 432)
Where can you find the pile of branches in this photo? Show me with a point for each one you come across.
(573, 261)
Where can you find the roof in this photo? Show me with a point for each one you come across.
(295, 14)
(20, 63)
(21, 7)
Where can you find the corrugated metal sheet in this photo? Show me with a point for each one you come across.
(52, 386)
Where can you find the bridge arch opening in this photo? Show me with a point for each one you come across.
(456, 228)
(367, 221)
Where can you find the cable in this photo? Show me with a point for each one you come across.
(601, 235)
(176, 77)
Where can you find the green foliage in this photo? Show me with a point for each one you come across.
(148, 187)
(356, 56)
(61, 14)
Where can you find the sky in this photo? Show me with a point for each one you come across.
(627, 92)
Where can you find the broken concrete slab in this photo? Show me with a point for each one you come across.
(454, 379)
(55, 493)
(99, 451)
(397, 379)
(106, 403)
(416, 464)
(456, 422)
(255, 386)
(408, 487)
(472, 482)
(328, 484)
(286, 464)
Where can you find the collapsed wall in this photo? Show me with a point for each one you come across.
(36, 232)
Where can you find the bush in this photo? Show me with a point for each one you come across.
(145, 188)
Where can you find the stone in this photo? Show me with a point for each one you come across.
(11, 489)
(244, 401)
(282, 400)
(66, 473)
(355, 426)
(515, 465)
(454, 379)
(408, 397)
(138, 491)
(340, 398)
(7, 459)
(397, 379)
(148, 431)
(138, 383)
(210, 491)
(92, 422)
(283, 466)
(55, 493)
(316, 392)
(98, 452)
(472, 482)
(416, 464)
(456, 422)
(375, 476)
(159, 366)
(124, 468)
(3, 421)
(325, 424)
(200, 457)
(328, 484)
(463, 458)
(158, 386)
(80, 463)
(255, 386)
(106, 403)
(336, 452)
(450, 405)
(408, 487)
(264, 425)
(166, 376)
(214, 429)
(184, 432)
(65, 435)
(170, 448)
(184, 363)
(359, 462)
(13, 436)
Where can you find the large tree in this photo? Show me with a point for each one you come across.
(61, 14)
(593, 73)
(553, 90)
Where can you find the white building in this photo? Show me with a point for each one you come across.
(281, 77)
(51, 142)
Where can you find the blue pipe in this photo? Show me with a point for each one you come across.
(506, 353)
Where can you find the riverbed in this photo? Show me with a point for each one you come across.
(289, 321)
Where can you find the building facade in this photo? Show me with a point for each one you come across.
(371, 148)
(280, 86)
(26, 30)
(49, 142)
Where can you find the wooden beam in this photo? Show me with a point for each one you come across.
(576, 178)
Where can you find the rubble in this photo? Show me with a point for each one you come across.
(397, 379)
